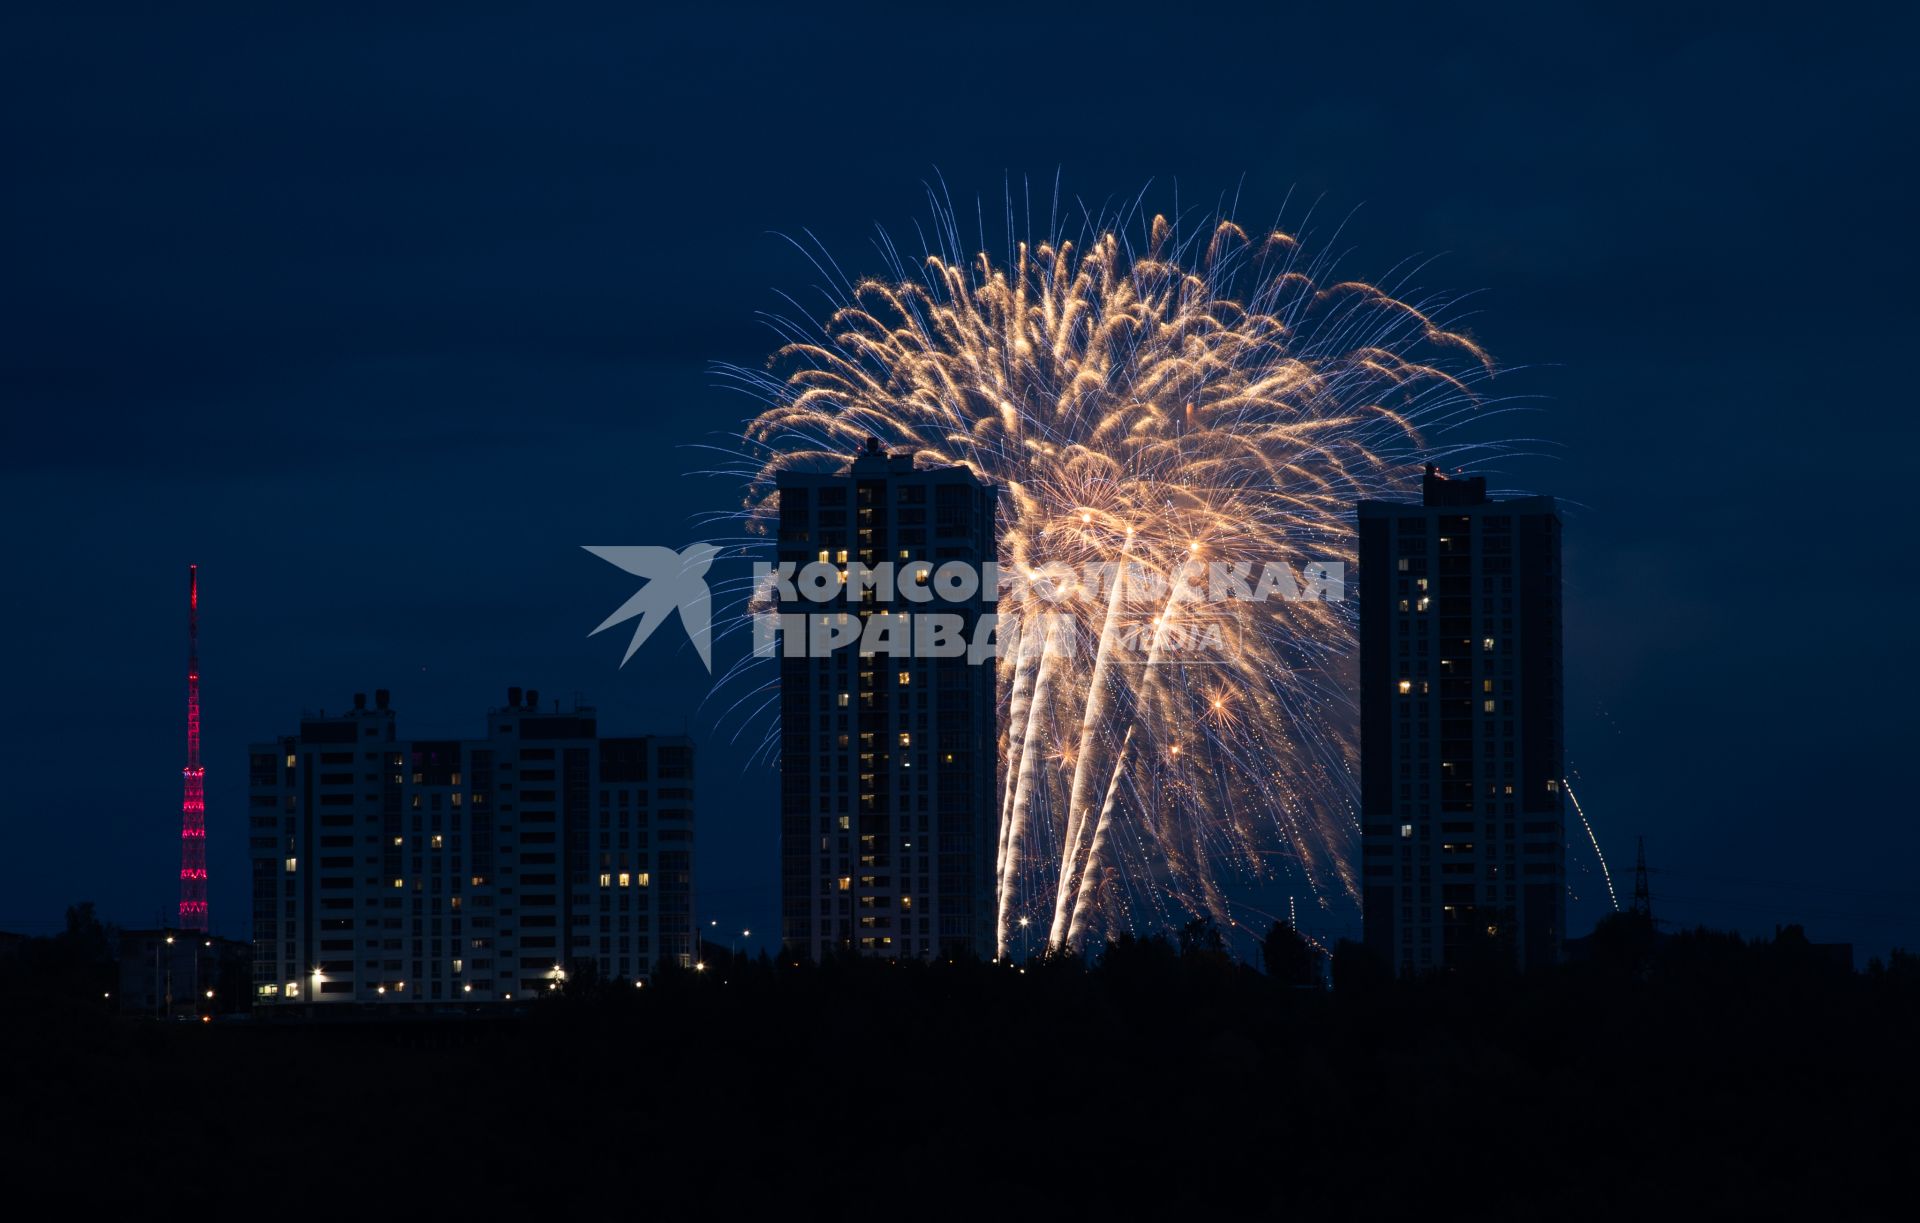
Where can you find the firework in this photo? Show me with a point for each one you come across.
(1148, 397)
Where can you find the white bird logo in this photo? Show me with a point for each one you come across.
(675, 581)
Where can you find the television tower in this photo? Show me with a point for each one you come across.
(193, 807)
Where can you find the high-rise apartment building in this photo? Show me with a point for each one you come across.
(1464, 834)
(888, 762)
(390, 871)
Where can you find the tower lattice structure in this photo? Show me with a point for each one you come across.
(1642, 894)
(193, 806)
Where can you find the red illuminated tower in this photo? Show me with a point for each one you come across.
(193, 808)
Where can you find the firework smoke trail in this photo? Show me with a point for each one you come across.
(1197, 395)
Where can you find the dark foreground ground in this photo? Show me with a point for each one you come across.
(1704, 1076)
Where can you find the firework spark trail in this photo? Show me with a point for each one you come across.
(1096, 858)
(1099, 692)
(1595, 842)
(1203, 390)
(1163, 625)
(1017, 815)
(1017, 733)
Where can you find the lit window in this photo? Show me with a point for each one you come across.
(1553, 787)
(846, 823)
(842, 557)
(1403, 564)
(399, 841)
(1420, 583)
(906, 677)
(293, 864)
(906, 739)
(1487, 705)
(1406, 832)
(823, 556)
(1487, 645)
(289, 759)
(643, 879)
(437, 843)
(399, 883)
(1403, 605)
(626, 880)
(1424, 603)
(906, 902)
(1486, 685)
(846, 883)
(457, 964)
(1406, 686)
(606, 879)
(844, 698)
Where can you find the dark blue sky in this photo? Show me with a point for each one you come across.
(378, 318)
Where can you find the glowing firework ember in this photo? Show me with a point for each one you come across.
(1192, 397)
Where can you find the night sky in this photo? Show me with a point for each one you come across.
(378, 319)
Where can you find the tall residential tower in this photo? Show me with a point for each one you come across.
(1464, 845)
(888, 763)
